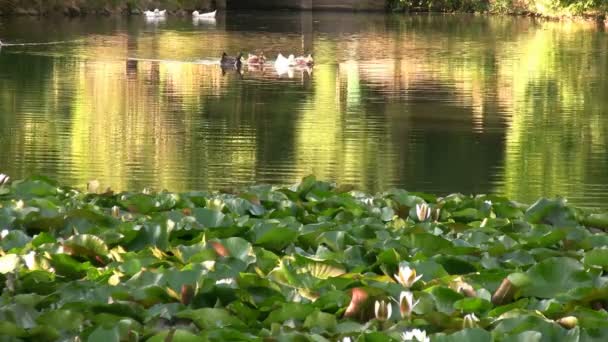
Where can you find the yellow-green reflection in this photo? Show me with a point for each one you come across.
(435, 103)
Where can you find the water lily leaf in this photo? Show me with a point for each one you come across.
(209, 218)
(455, 265)
(14, 239)
(10, 329)
(152, 234)
(239, 248)
(273, 236)
(69, 267)
(64, 319)
(178, 335)
(553, 276)
(320, 322)
(599, 220)
(43, 238)
(554, 212)
(209, 318)
(476, 305)
(469, 335)
(85, 245)
(526, 336)
(444, 298)
(35, 186)
(101, 334)
(295, 311)
(520, 322)
(429, 244)
(139, 203)
(44, 333)
(597, 257)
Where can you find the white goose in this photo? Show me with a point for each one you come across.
(155, 14)
(201, 15)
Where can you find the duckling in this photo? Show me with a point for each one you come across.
(256, 60)
(305, 61)
(227, 61)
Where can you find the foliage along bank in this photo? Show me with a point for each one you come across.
(549, 8)
(597, 9)
(102, 7)
(311, 262)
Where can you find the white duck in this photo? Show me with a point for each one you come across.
(283, 62)
(305, 61)
(201, 15)
(155, 14)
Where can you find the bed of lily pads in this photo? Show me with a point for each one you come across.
(311, 262)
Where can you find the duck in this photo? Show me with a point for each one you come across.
(305, 61)
(203, 15)
(156, 13)
(1, 43)
(282, 62)
(228, 61)
(256, 60)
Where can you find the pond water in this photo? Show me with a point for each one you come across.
(433, 103)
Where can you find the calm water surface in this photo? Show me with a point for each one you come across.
(434, 103)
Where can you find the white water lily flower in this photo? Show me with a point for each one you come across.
(3, 233)
(20, 204)
(116, 211)
(415, 335)
(346, 339)
(470, 321)
(423, 212)
(30, 260)
(4, 178)
(383, 310)
(406, 303)
(407, 276)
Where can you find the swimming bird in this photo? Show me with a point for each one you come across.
(202, 15)
(156, 13)
(228, 61)
(1, 43)
(256, 60)
(305, 61)
(283, 62)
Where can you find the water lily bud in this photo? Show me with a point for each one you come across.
(406, 276)
(187, 294)
(383, 310)
(116, 211)
(4, 179)
(406, 303)
(470, 321)
(359, 296)
(415, 335)
(568, 322)
(423, 212)
(146, 191)
(346, 339)
(505, 292)
(20, 204)
(436, 214)
(466, 290)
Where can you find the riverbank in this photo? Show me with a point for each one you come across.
(556, 9)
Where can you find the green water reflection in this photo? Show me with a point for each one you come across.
(429, 103)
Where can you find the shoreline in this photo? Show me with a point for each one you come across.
(601, 19)
(81, 8)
